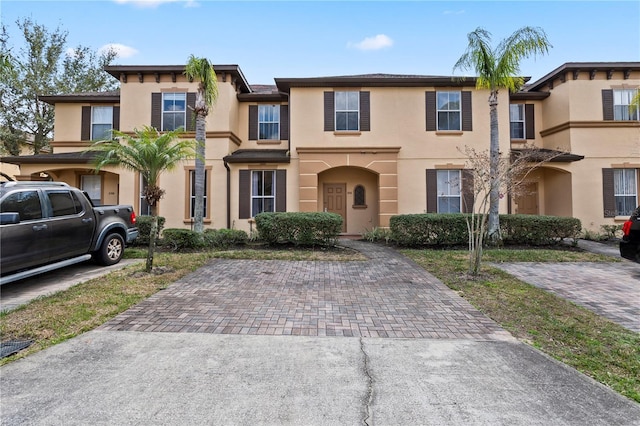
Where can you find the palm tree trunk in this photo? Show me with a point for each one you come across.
(199, 177)
(152, 239)
(493, 231)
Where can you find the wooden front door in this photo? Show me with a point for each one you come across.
(335, 201)
(527, 200)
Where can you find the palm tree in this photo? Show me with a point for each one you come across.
(201, 69)
(499, 69)
(149, 153)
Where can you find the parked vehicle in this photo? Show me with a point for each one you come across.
(48, 225)
(630, 243)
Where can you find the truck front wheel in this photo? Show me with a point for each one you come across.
(111, 250)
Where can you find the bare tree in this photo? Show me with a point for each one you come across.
(509, 175)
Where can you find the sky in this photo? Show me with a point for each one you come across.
(289, 39)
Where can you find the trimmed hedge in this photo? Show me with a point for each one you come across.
(144, 229)
(224, 238)
(314, 228)
(180, 239)
(451, 229)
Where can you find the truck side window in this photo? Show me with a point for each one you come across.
(77, 203)
(61, 203)
(25, 203)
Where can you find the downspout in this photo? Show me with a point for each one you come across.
(226, 166)
(289, 121)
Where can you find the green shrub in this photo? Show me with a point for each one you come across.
(144, 229)
(429, 229)
(181, 239)
(611, 232)
(451, 229)
(308, 229)
(224, 238)
(377, 235)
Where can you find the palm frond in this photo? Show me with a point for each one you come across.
(201, 69)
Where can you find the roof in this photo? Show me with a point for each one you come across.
(258, 156)
(109, 96)
(583, 66)
(375, 80)
(551, 155)
(123, 71)
(65, 158)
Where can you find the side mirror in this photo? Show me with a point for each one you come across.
(9, 218)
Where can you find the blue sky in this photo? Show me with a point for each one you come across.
(270, 39)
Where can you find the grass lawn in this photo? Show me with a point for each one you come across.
(594, 345)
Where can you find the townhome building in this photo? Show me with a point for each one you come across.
(367, 147)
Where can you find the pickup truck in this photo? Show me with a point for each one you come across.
(630, 242)
(49, 225)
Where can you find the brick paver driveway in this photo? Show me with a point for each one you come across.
(385, 296)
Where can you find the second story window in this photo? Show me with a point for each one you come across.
(516, 114)
(268, 122)
(174, 111)
(449, 111)
(347, 111)
(622, 101)
(101, 122)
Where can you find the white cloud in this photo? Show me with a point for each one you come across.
(121, 50)
(377, 42)
(156, 3)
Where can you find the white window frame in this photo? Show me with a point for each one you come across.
(446, 191)
(257, 197)
(268, 118)
(347, 110)
(621, 105)
(622, 190)
(94, 121)
(512, 120)
(173, 112)
(448, 110)
(192, 193)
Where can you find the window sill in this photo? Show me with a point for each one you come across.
(189, 221)
(361, 206)
(269, 142)
(449, 133)
(518, 141)
(346, 133)
(621, 218)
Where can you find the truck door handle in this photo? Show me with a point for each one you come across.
(87, 220)
(39, 227)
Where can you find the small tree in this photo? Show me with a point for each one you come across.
(509, 177)
(149, 153)
(201, 69)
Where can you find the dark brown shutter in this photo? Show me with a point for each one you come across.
(365, 113)
(529, 121)
(156, 110)
(432, 191)
(608, 198)
(329, 112)
(467, 191)
(253, 122)
(190, 125)
(431, 111)
(116, 118)
(607, 105)
(244, 194)
(284, 122)
(281, 190)
(85, 132)
(467, 112)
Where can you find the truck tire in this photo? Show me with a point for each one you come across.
(111, 250)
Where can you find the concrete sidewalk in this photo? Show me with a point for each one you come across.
(133, 378)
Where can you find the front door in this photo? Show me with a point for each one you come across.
(527, 200)
(335, 201)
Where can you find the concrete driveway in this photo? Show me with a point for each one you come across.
(267, 342)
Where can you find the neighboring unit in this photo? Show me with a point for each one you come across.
(366, 147)
(48, 225)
